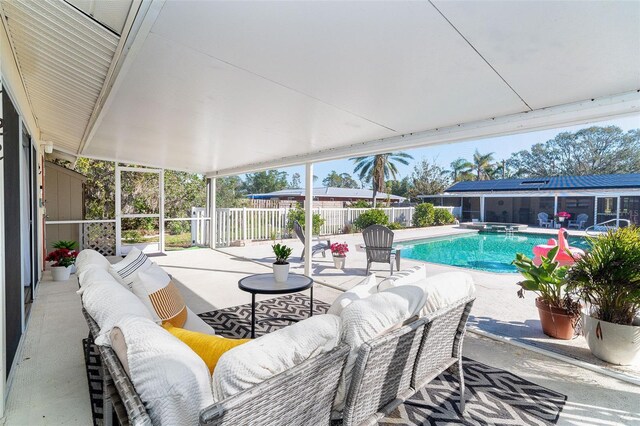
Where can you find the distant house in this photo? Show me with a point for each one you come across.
(325, 196)
(602, 197)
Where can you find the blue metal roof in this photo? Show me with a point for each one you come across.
(550, 183)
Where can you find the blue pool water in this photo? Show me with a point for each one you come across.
(486, 252)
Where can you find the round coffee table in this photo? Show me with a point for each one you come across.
(266, 284)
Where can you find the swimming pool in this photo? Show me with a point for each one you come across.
(486, 252)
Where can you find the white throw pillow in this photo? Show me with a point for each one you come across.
(93, 273)
(173, 381)
(161, 296)
(90, 257)
(364, 288)
(365, 319)
(128, 268)
(107, 302)
(406, 276)
(197, 324)
(258, 360)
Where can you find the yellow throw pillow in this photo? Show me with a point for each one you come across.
(209, 348)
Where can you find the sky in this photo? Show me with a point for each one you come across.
(502, 148)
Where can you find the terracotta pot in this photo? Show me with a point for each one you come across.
(556, 322)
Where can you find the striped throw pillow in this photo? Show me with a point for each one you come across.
(128, 268)
(159, 293)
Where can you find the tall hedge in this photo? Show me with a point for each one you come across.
(423, 215)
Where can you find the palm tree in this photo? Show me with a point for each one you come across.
(482, 165)
(376, 168)
(460, 169)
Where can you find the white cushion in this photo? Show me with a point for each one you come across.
(445, 289)
(258, 360)
(364, 288)
(91, 257)
(107, 302)
(127, 269)
(406, 276)
(93, 273)
(173, 381)
(365, 319)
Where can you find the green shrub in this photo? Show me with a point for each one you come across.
(371, 217)
(423, 215)
(360, 204)
(396, 225)
(442, 217)
(178, 227)
(298, 214)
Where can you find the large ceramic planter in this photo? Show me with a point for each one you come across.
(613, 343)
(60, 273)
(281, 272)
(555, 322)
(338, 261)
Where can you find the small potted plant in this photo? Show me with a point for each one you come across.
(607, 278)
(559, 313)
(281, 265)
(562, 216)
(339, 252)
(62, 260)
(69, 245)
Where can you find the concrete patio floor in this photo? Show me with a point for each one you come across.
(50, 384)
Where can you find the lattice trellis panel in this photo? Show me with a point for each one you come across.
(100, 237)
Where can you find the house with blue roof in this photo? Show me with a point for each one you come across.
(595, 199)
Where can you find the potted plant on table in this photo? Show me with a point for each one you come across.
(559, 313)
(339, 252)
(63, 259)
(281, 265)
(608, 280)
(69, 245)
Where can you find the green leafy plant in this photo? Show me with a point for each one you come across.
(298, 214)
(442, 217)
(282, 253)
(360, 204)
(396, 225)
(371, 217)
(548, 281)
(608, 276)
(63, 244)
(423, 215)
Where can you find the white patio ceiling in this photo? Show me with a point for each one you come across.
(226, 87)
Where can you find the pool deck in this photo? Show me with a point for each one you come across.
(497, 311)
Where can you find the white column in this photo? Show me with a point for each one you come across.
(161, 210)
(555, 206)
(618, 211)
(482, 208)
(308, 218)
(595, 210)
(212, 213)
(118, 207)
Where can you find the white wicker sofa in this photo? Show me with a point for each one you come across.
(388, 368)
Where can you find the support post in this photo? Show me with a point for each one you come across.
(618, 211)
(161, 211)
(212, 213)
(308, 218)
(555, 207)
(118, 212)
(595, 211)
(482, 208)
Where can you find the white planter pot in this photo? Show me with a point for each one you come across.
(60, 273)
(73, 268)
(614, 343)
(281, 272)
(338, 261)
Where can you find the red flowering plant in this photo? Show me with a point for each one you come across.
(563, 216)
(62, 257)
(339, 249)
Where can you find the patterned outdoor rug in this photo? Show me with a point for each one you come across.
(494, 396)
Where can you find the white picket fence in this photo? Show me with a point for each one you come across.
(266, 224)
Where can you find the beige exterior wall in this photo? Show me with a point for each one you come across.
(64, 200)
